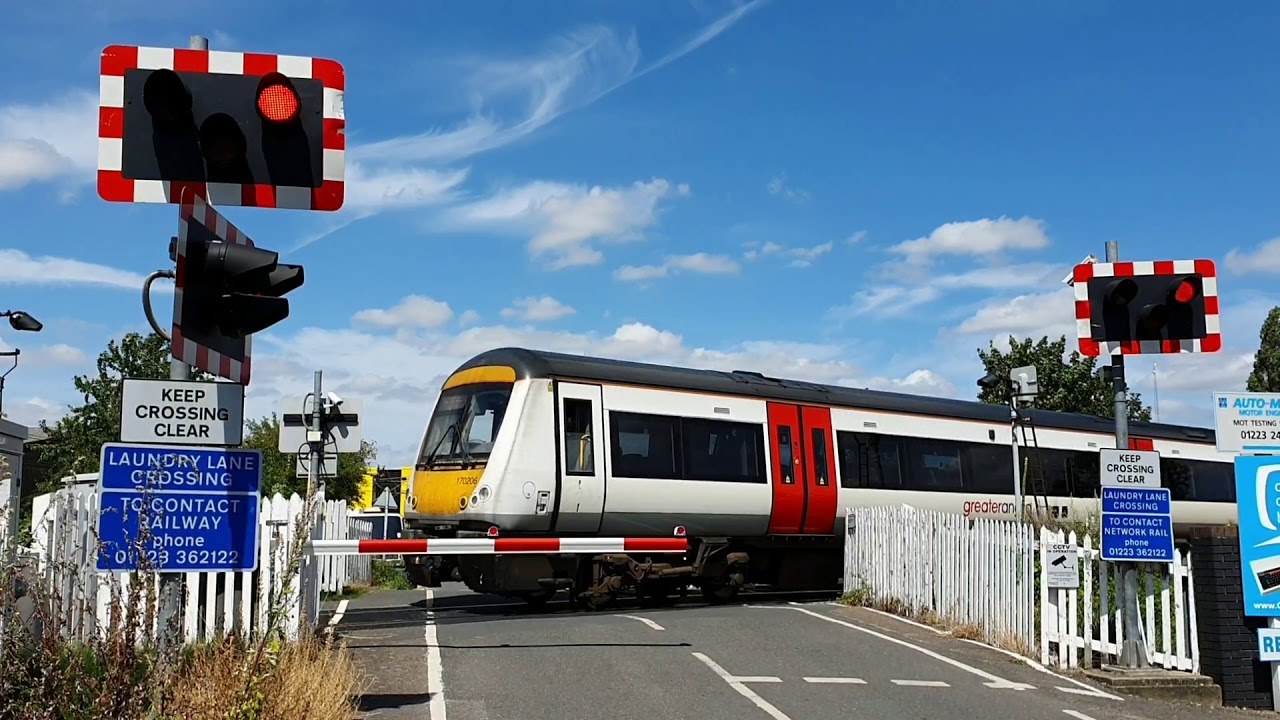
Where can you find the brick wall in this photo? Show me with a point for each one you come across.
(1228, 639)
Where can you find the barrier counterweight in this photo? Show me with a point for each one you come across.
(496, 546)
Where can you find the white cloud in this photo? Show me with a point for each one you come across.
(49, 141)
(779, 187)
(564, 220)
(19, 268)
(1049, 313)
(886, 301)
(414, 311)
(978, 237)
(800, 256)
(702, 263)
(1264, 259)
(856, 238)
(537, 309)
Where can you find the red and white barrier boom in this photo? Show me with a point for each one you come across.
(499, 546)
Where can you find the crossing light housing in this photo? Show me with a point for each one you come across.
(208, 127)
(232, 291)
(1148, 307)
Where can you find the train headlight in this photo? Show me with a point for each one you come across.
(484, 493)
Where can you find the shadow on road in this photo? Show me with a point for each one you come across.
(387, 701)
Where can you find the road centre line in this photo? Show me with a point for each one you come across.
(644, 620)
(1077, 715)
(836, 680)
(920, 683)
(435, 666)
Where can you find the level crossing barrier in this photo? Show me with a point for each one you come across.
(498, 546)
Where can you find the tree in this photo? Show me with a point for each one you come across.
(75, 442)
(1266, 363)
(279, 470)
(1066, 383)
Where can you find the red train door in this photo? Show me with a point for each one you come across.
(820, 451)
(802, 453)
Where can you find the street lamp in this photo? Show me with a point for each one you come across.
(19, 320)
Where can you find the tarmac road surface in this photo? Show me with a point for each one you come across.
(448, 654)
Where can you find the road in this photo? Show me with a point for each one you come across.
(448, 654)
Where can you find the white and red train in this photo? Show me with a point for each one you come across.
(756, 471)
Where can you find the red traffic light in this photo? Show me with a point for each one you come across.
(1184, 290)
(277, 100)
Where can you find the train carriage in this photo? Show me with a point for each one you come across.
(755, 471)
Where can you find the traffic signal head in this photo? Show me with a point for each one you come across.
(235, 128)
(1135, 308)
(231, 291)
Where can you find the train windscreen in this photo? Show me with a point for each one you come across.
(464, 425)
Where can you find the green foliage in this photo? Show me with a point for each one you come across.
(75, 442)
(1067, 383)
(390, 575)
(1266, 363)
(279, 469)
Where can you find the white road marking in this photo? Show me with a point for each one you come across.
(993, 681)
(646, 621)
(836, 680)
(435, 667)
(1077, 715)
(743, 690)
(920, 683)
(337, 616)
(755, 678)
(1084, 688)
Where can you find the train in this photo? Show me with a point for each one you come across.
(756, 471)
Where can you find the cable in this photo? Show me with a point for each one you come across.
(146, 301)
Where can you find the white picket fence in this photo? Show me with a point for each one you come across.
(65, 547)
(965, 572)
(979, 571)
(1077, 623)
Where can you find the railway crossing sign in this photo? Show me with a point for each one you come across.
(181, 412)
(1137, 513)
(1143, 308)
(197, 505)
(238, 129)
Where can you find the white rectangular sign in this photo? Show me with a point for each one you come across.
(1247, 422)
(1269, 644)
(1062, 565)
(1129, 468)
(182, 412)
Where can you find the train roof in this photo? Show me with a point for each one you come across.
(543, 364)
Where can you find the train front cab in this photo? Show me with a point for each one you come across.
(455, 452)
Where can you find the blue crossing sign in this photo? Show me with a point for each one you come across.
(185, 508)
(1137, 524)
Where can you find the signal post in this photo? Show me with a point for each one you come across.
(195, 127)
(1139, 308)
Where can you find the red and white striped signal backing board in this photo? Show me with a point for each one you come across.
(114, 187)
(195, 209)
(1212, 342)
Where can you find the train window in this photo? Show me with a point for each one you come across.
(725, 451)
(869, 460)
(1084, 480)
(821, 473)
(785, 459)
(644, 446)
(1213, 481)
(988, 469)
(1176, 475)
(1046, 471)
(934, 465)
(578, 459)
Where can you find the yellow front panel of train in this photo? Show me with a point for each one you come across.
(444, 492)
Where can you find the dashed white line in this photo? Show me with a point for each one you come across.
(920, 683)
(836, 680)
(742, 690)
(644, 620)
(994, 681)
(755, 678)
(1077, 715)
(435, 668)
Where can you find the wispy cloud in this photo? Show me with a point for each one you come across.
(703, 263)
(19, 268)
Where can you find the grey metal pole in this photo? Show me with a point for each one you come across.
(1133, 652)
(1017, 460)
(170, 604)
(317, 448)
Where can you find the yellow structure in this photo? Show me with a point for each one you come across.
(364, 493)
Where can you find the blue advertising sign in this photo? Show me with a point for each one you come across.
(196, 506)
(1258, 509)
(1137, 525)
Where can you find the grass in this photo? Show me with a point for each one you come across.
(131, 668)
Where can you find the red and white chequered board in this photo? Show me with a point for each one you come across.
(184, 349)
(114, 187)
(1212, 342)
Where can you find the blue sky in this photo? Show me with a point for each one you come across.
(848, 192)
